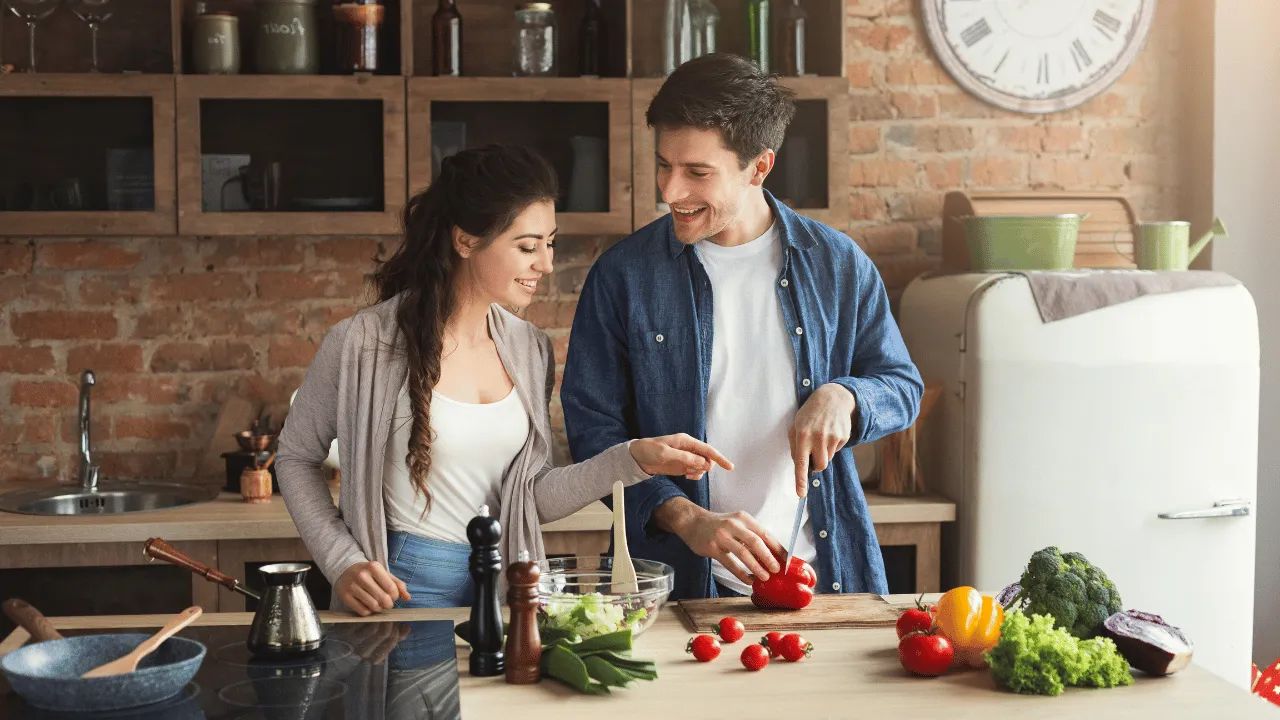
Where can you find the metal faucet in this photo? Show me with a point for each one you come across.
(88, 471)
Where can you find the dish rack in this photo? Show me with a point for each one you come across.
(1105, 239)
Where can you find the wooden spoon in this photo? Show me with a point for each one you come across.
(129, 663)
(624, 573)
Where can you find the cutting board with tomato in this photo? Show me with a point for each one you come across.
(854, 610)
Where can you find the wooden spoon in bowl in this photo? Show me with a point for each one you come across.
(129, 663)
(624, 572)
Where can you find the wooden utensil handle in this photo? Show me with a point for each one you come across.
(161, 550)
(31, 620)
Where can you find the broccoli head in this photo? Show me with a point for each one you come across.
(1068, 587)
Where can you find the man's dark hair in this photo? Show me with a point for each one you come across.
(724, 92)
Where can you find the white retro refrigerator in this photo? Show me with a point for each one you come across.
(1128, 434)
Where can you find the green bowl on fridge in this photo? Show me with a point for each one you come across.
(1021, 242)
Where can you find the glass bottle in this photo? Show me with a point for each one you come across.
(705, 19)
(759, 24)
(446, 31)
(795, 26)
(591, 40)
(678, 36)
(356, 35)
(534, 41)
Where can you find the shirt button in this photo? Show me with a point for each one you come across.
(816, 482)
(822, 533)
(835, 586)
(659, 337)
(784, 282)
(799, 331)
(805, 382)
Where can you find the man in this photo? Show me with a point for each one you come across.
(738, 321)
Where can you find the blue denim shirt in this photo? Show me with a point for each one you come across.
(639, 364)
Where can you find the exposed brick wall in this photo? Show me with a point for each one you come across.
(173, 326)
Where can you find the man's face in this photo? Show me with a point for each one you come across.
(703, 182)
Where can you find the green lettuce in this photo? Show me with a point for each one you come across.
(1034, 657)
(588, 615)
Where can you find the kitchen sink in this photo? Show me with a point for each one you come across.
(109, 498)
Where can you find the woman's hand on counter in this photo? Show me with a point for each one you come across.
(678, 454)
(368, 588)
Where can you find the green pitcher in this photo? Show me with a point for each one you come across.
(1167, 245)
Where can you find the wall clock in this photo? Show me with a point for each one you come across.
(1037, 56)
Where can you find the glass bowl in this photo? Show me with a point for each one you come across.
(574, 593)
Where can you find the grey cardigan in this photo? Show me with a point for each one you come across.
(349, 392)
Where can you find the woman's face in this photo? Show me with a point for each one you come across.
(508, 270)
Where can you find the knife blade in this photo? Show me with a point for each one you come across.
(795, 533)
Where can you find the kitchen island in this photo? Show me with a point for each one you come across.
(852, 673)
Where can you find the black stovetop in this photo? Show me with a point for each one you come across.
(373, 671)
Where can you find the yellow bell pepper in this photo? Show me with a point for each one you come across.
(971, 621)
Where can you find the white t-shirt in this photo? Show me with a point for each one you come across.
(752, 400)
(472, 446)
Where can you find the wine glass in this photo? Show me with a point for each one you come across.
(31, 12)
(93, 12)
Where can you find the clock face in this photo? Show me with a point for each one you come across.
(1037, 55)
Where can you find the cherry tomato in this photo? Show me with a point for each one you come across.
(773, 643)
(704, 648)
(755, 657)
(925, 653)
(913, 620)
(731, 629)
(918, 618)
(795, 647)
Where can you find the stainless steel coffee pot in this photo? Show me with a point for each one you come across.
(286, 622)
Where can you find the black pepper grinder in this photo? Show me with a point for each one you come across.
(486, 610)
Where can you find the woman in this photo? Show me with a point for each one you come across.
(438, 397)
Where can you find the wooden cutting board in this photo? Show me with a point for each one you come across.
(825, 612)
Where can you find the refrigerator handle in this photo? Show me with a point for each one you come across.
(1221, 508)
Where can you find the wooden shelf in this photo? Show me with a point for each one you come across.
(409, 99)
(193, 90)
(540, 130)
(159, 90)
(830, 91)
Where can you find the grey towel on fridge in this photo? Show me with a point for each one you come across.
(1064, 294)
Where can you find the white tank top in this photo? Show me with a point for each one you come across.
(472, 447)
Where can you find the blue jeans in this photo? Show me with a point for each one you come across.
(434, 570)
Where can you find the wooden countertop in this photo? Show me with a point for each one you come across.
(851, 673)
(230, 518)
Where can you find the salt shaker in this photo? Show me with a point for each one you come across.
(486, 612)
(524, 644)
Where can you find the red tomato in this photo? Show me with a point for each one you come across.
(773, 642)
(914, 620)
(795, 647)
(705, 648)
(731, 629)
(925, 653)
(754, 657)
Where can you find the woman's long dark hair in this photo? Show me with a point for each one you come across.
(480, 191)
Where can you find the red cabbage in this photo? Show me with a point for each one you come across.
(1148, 642)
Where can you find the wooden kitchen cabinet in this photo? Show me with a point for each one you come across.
(352, 148)
(543, 113)
(86, 155)
(339, 142)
